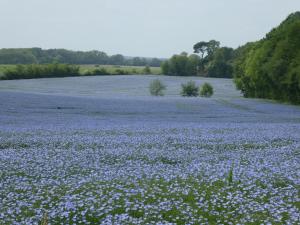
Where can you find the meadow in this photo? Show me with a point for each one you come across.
(101, 150)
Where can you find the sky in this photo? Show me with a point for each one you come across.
(150, 28)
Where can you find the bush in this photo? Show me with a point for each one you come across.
(206, 90)
(121, 72)
(88, 73)
(101, 71)
(189, 89)
(147, 70)
(156, 88)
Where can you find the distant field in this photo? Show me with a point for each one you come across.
(110, 68)
(116, 86)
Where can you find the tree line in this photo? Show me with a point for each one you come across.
(63, 56)
(41, 71)
(270, 67)
(208, 60)
(31, 71)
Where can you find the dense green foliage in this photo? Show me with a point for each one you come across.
(119, 71)
(156, 88)
(215, 61)
(40, 71)
(38, 55)
(220, 64)
(98, 71)
(206, 90)
(181, 65)
(189, 89)
(270, 68)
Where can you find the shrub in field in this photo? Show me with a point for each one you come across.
(206, 90)
(156, 88)
(147, 70)
(88, 73)
(189, 89)
(121, 72)
(101, 71)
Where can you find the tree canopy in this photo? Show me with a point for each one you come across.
(206, 48)
(41, 56)
(220, 64)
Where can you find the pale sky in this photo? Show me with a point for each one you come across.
(151, 28)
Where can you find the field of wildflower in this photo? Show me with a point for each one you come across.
(101, 150)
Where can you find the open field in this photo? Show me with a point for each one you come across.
(114, 87)
(100, 150)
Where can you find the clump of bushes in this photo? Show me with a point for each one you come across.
(156, 88)
(189, 89)
(206, 90)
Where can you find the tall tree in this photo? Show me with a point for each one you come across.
(206, 51)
